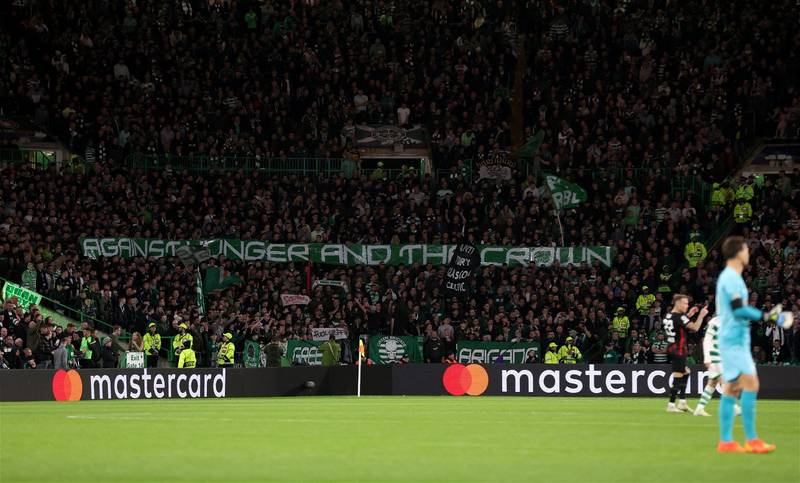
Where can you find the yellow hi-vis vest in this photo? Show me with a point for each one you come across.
(225, 353)
(187, 359)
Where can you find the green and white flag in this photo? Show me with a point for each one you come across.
(387, 349)
(24, 296)
(218, 278)
(565, 194)
(251, 355)
(201, 301)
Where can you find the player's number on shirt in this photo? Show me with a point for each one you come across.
(669, 329)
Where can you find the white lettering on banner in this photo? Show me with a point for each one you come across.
(276, 252)
(229, 248)
(651, 387)
(702, 376)
(158, 386)
(331, 251)
(615, 377)
(467, 355)
(591, 373)
(604, 257)
(408, 252)
(135, 390)
(157, 247)
(120, 393)
(309, 355)
(181, 392)
(360, 258)
(108, 247)
(574, 383)
(194, 379)
(91, 247)
(590, 379)
(428, 254)
(124, 386)
(103, 384)
(635, 375)
(555, 388)
(294, 299)
(139, 249)
(518, 255)
(518, 375)
(373, 259)
(146, 377)
(255, 251)
(298, 253)
(488, 250)
(322, 333)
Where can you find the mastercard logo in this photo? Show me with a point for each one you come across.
(459, 379)
(67, 385)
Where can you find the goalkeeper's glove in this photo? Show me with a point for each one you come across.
(772, 315)
(785, 320)
(782, 319)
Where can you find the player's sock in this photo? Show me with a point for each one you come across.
(682, 390)
(708, 393)
(749, 414)
(673, 390)
(726, 404)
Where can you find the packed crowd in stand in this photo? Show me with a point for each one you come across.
(653, 250)
(628, 100)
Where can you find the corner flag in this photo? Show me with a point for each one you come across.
(361, 357)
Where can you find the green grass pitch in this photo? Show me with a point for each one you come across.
(385, 439)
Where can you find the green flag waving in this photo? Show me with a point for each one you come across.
(565, 194)
(201, 302)
(531, 146)
(218, 278)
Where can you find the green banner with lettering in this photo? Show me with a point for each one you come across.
(25, 297)
(351, 255)
(304, 352)
(388, 349)
(488, 352)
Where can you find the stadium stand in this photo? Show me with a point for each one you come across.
(649, 113)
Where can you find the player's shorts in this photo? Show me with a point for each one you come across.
(735, 362)
(678, 363)
(714, 370)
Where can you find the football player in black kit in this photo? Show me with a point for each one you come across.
(676, 323)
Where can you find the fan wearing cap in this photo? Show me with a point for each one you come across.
(569, 353)
(152, 344)
(551, 356)
(225, 351)
(188, 359)
(620, 322)
(177, 342)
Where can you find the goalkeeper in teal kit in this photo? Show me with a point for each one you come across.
(738, 370)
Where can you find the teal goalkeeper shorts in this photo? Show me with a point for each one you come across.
(735, 362)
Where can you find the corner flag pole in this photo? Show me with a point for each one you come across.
(360, 363)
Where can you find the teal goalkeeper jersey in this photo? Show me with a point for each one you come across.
(733, 331)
